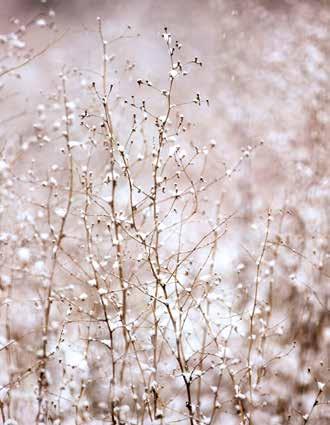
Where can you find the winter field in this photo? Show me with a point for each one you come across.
(164, 212)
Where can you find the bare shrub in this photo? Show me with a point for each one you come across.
(149, 274)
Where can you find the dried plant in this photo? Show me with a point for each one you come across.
(142, 279)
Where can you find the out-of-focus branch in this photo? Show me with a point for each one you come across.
(33, 57)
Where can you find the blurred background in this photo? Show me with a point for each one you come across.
(266, 74)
